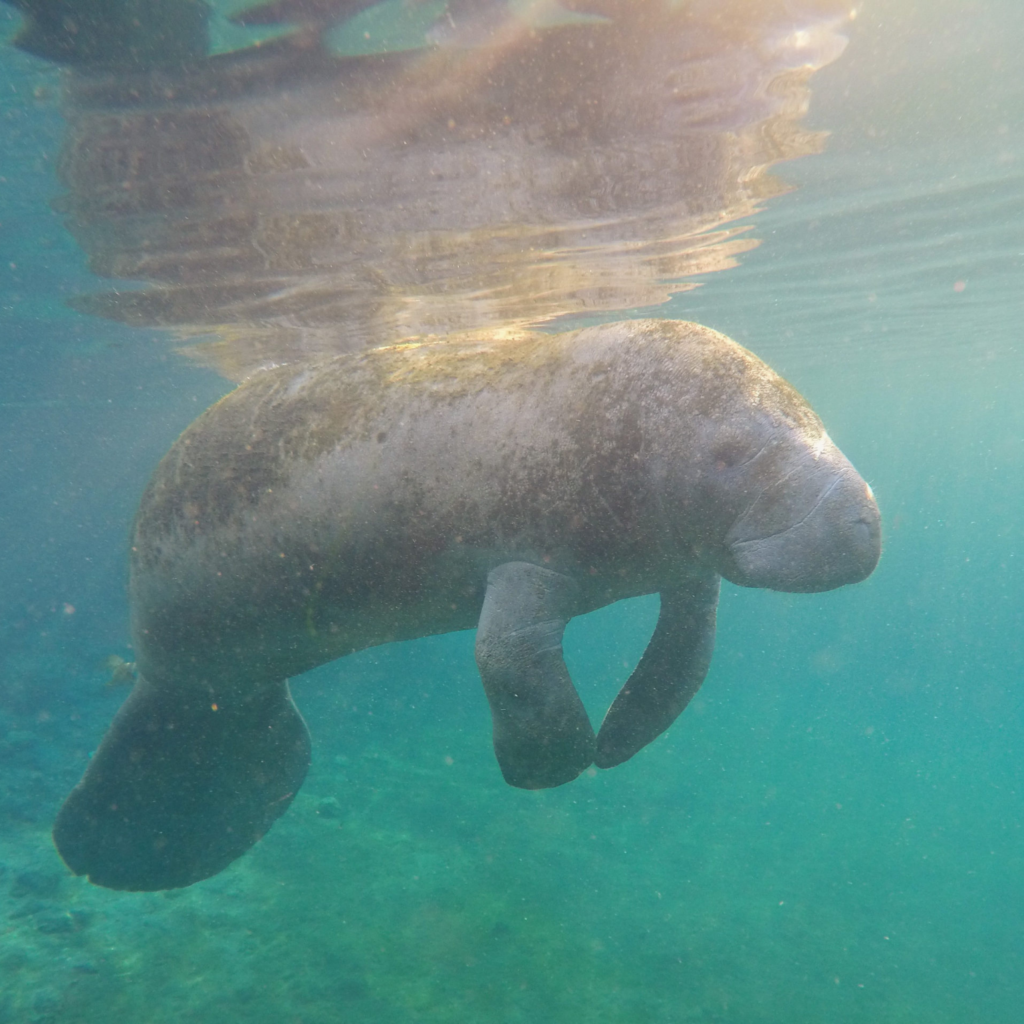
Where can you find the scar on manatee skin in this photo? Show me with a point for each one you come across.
(122, 673)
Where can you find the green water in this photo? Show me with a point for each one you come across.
(831, 833)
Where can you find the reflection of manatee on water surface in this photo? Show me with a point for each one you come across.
(413, 490)
(288, 201)
(368, 242)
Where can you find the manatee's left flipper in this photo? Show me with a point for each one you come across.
(542, 735)
(181, 785)
(668, 675)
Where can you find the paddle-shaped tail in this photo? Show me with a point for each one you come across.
(181, 785)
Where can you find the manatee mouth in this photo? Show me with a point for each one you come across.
(834, 542)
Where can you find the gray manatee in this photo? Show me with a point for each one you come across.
(507, 482)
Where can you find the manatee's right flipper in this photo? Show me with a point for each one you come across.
(180, 786)
(542, 736)
(668, 675)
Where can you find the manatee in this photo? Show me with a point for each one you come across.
(504, 481)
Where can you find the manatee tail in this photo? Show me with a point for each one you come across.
(180, 786)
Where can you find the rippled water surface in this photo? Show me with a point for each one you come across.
(832, 832)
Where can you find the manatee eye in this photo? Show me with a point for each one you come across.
(729, 453)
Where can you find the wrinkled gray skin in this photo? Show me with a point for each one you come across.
(506, 484)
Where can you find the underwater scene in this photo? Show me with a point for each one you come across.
(446, 197)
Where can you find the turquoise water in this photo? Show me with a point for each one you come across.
(832, 832)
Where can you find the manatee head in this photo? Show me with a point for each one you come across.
(810, 522)
(769, 500)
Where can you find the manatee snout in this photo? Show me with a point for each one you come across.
(807, 534)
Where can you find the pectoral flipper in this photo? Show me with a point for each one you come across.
(667, 676)
(542, 735)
